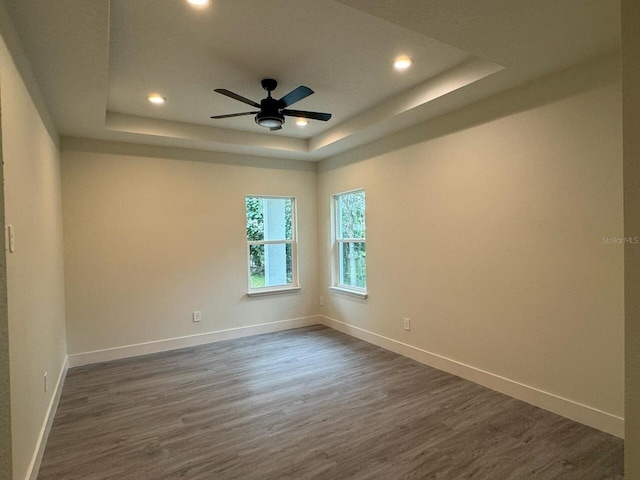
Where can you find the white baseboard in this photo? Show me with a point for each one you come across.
(578, 412)
(34, 466)
(127, 351)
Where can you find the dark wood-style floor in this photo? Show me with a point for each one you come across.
(310, 403)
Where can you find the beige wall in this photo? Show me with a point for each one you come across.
(153, 234)
(487, 233)
(35, 277)
(631, 118)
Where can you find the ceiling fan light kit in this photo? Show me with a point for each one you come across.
(271, 112)
(270, 122)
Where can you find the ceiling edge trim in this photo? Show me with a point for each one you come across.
(189, 131)
(453, 79)
(109, 147)
(555, 86)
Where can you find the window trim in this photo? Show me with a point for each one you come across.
(336, 286)
(264, 291)
(350, 292)
(294, 286)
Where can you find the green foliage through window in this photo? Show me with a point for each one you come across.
(350, 237)
(270, 220)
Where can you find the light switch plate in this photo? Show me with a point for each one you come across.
(11, 239)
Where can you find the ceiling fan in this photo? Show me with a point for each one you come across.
(272, 112)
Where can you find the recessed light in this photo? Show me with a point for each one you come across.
(302, 122)
(157, 99)
(402, 63)
(199, 3)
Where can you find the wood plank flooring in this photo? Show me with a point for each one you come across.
(310, 403)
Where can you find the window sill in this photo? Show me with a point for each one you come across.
(272, 291)
(347, 291)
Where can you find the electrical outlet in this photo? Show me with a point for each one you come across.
(407, 324)
(45, 382)
(197, 316)
(322, 301)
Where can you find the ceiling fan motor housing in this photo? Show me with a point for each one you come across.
(269, 116)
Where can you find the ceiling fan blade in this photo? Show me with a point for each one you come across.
(275, 128)
(312, 115)
(235, 96)
(295, 96)
(216, 117)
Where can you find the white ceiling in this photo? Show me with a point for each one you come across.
(96, 61)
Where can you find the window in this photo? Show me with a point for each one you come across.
(271, 244)
(350, 267)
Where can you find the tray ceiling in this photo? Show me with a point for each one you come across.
(96, 61)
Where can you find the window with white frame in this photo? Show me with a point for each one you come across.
(271, 243)
(350, 262)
